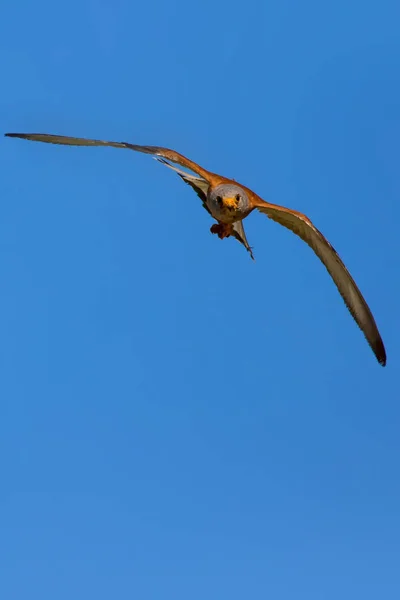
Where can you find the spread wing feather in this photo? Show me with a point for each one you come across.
(354, 300)
(171, 155)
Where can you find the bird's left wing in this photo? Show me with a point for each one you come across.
(304, 228)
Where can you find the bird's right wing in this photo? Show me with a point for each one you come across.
(165, 153)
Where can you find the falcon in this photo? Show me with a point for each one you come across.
(229, 203)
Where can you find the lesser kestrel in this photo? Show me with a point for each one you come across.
(229, 202)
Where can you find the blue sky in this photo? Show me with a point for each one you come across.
(177, 421)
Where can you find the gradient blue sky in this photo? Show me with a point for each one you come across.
(177, 421)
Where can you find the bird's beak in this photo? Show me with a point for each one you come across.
(230, 202)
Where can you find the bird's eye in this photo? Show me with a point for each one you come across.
(219, 199)
(237, 197)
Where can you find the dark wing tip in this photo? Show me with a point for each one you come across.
(23, 136)
(380, 353)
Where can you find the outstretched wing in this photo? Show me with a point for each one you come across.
(200, 186)
(171, 155)
(303, 227)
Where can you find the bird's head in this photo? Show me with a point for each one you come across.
(230, 200)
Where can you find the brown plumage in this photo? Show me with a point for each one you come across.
(230, 202)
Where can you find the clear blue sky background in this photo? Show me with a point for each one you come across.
(175, 420)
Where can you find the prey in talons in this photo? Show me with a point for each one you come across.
(223, 230)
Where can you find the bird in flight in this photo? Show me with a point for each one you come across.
(229, 202)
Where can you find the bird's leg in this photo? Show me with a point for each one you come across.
(223, 230)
